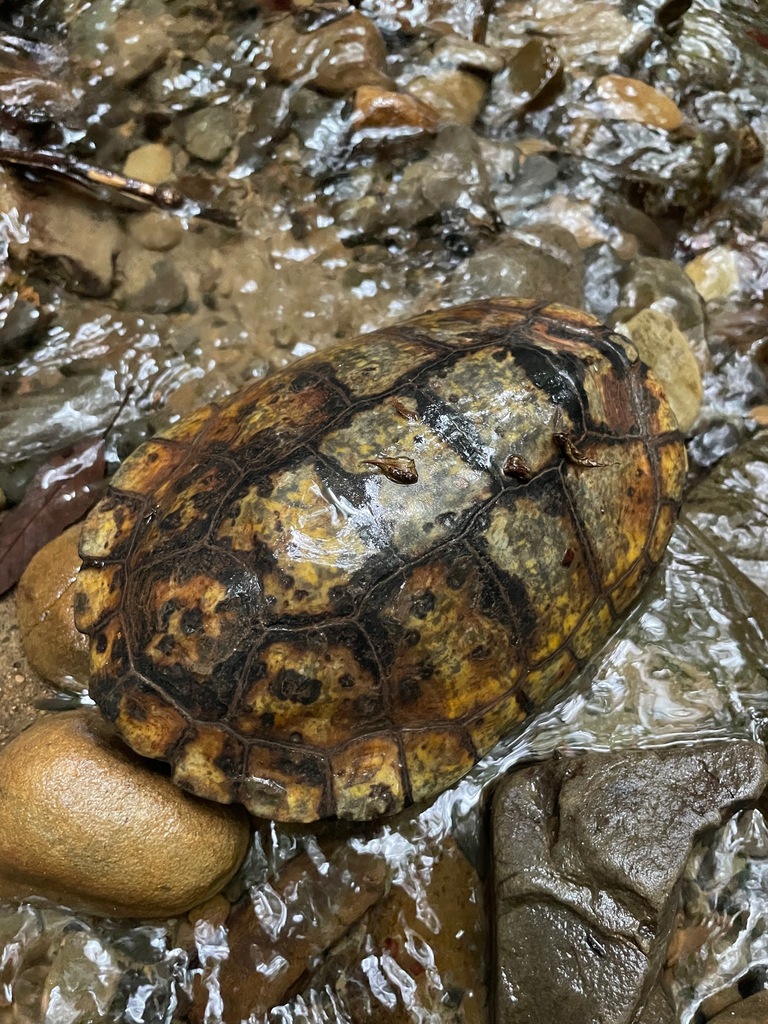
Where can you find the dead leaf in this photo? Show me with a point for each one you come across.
(61, 491)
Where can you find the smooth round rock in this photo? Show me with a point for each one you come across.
(152, 163)
(44, 602)
(664, 347)
(86, 823)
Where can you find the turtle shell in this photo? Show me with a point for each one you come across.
(335, 591)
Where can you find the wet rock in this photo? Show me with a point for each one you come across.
(753, 1010)
(278, 928)
(652, 283)
(629, 99)
(382, 108)
(465, 18)
(85, 822)
(149, 284)
(152, 163)
(544, 262)
(661, 171)
(337, 57)
(730, 507)
(469, 55)
(588, 35)
(210, 133)
(421, 949)
(584, 900)
(45, 604)
(532, 78)
(139, 43)
(269, 122)
(456, 95)
(715, 273)
(579, 218)
(665, 348)
(23, 317)
(448, 190)
(156, 230)
(76, 240)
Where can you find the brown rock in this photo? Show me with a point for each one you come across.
(628, 99)
(456, 95)
(337, 57)
(85, 822)
(531, 79)
(382, 108)
(156, 230)
(433, 944)
(759, 413)
(319, 908)
(139, 44)
(45, 596)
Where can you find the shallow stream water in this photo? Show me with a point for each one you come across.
(518, 163)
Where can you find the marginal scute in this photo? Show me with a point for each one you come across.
(368, 778)
(149, 723)
(594, 626)
(209, 763)
(545, 680)
(98, 595)
(108, 532)
(286, 784)
(436, 758)
(149, 466)
(296, 630)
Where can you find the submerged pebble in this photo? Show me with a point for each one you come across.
(86, 823)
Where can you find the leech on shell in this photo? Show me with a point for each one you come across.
(399, 469)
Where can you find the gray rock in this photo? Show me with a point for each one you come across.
(543, 263)
(209, 134)
(588, 853)
(150, 285)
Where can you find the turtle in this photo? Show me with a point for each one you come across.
(333, 592)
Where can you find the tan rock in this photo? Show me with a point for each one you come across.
(77, 239)
(383, 108)
(337, 57)
(628, 99)
(152, 163)
(665, 348)
(456, 95)
(156, 229)
(759, 413)
(87, 823)
(715, 273)
(45, 606)
(21, 689)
